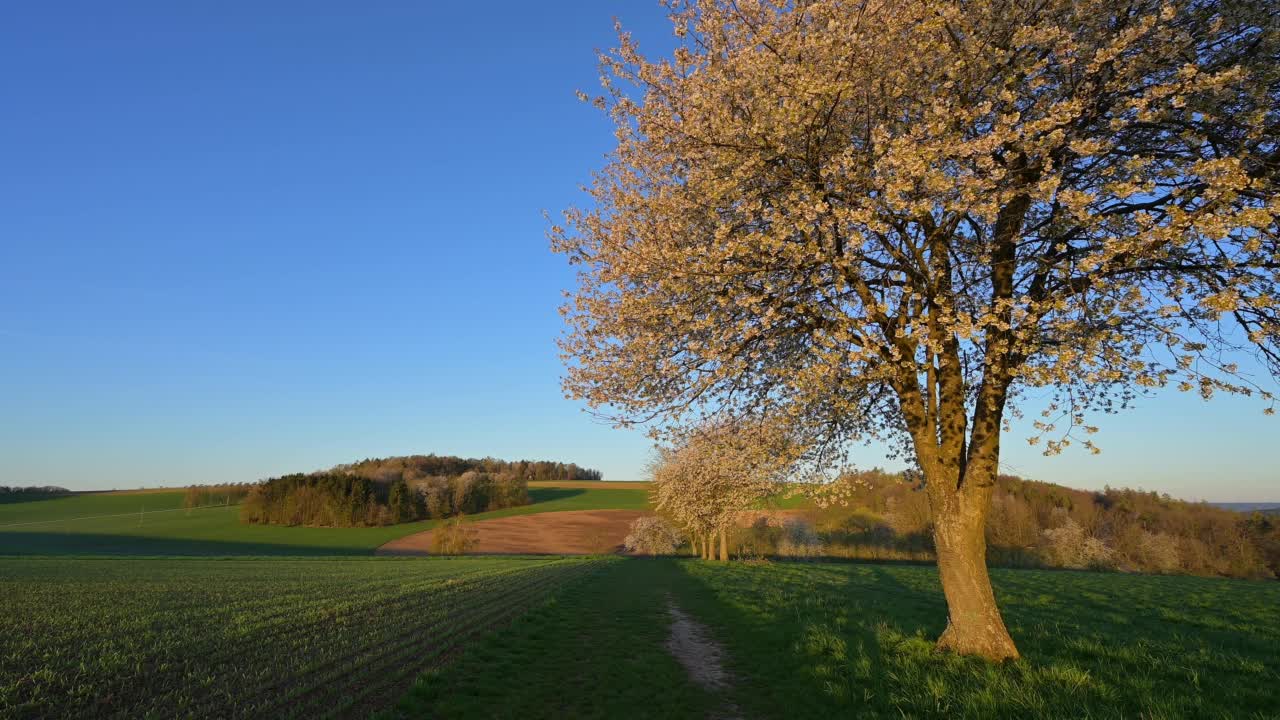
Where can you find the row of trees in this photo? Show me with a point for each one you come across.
(471, 492)
(317, 499)
(227, 494)
(16, 494)
(411, 468)
(386, 491)
(341, 499)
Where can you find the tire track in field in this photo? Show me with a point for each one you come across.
(692, 645)
(335, 681)
(307, 666)
(377, 697)
(354, 615)
(376, 658)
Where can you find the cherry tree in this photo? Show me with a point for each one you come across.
(907, 220)
(717, 470)
(651, 535)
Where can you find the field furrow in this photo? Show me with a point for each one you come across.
(246, 638)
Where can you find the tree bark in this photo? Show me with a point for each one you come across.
(724, 545)
(959, 479)
(974, 623)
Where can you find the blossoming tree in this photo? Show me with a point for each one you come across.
(891, 218)
(717, 470)
(652, 536)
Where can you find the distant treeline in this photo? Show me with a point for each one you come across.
(416, 467)
(1037, 524)
(228, 494)
(341, 499)
(9, 494)
(402, 489)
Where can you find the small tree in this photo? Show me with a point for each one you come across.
(799, 539)
(454, 537)
(1069, 546)
(718, 470)
(653, 536)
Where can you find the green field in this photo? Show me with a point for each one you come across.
(854, 640)
(116, 637)
(154, 523)
(518, 637)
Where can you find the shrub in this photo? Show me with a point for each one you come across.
(1068, 546)
(454, 537)
(1159, 552)
(799, 540)
(758, 540)
(652, 535)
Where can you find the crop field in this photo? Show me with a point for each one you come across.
(154, 523)
(126, 638)
(817, 640)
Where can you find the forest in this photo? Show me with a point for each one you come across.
(1039, 524)
(388, 491)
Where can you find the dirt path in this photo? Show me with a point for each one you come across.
(570, 532)
(702, 657)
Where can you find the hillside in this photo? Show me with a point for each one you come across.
(1033, 524)
(1039, 524)
(155, 523)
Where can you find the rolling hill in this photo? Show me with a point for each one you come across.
(154, 523)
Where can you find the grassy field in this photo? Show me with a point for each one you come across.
(344, 635)
(115, 637)
(854, 640)
(154, 523)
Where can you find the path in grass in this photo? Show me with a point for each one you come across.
(856, 640)
(598, 652)
(126, 638)
(153, 523)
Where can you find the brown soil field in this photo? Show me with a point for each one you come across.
(570, 532)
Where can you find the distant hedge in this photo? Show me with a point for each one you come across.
(26, 494)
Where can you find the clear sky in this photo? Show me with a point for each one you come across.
(243, 239)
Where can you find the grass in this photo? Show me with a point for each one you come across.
(595, 653)
(65, 507)
(114, 637)
(855, 640)
(271, 636)
(154, 524)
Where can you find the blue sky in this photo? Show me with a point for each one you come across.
(242, 239)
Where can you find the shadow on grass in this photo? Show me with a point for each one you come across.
(51, 543)
(819, 639)
(542, 495)
(26, 497)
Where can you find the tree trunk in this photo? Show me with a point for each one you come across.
(724, 545)
(974, 624)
